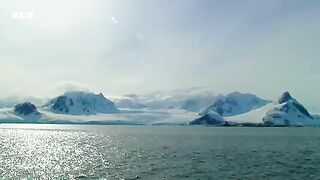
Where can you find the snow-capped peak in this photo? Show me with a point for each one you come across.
(285, 97)
(288, 111)
(78, 102)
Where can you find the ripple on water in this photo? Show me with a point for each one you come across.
(108, 152)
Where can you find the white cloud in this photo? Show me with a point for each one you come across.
(120, 47)
(65, 86)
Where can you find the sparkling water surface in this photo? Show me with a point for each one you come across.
(29, 151)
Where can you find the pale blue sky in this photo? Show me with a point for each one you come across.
(139, 46)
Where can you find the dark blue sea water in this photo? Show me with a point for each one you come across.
(157, 152)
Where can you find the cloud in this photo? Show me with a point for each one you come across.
(65, 86)
(121, 47)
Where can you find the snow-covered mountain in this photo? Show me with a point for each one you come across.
(22, 112)
(81, 103)
(235, 103)
(192, 100)
(289, 112)
(89, 108)
(228, 105)
(230, 109)
(286, 111)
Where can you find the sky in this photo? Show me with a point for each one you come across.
(139, 46)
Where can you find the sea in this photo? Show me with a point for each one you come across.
(39, 151)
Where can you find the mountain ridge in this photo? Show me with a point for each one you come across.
(79, 102)
(235, 108)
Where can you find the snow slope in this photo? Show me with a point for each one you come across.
(253, 116)
(194, 100)
(90, 108)
(286, 111)
(126, 116)
(289, 112)
(235, 103)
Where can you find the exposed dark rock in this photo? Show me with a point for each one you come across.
(60, 104)
(208, 119)
(25, 108)
(253, 125)
(285, 97)
(302, 109)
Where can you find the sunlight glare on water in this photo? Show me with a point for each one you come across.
(143, 152)
(27, 153)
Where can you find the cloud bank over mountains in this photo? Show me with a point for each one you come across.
(196, 106)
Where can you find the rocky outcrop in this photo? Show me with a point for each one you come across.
(211, 118)
(25, 109)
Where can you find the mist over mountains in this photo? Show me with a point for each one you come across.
(192, 106)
